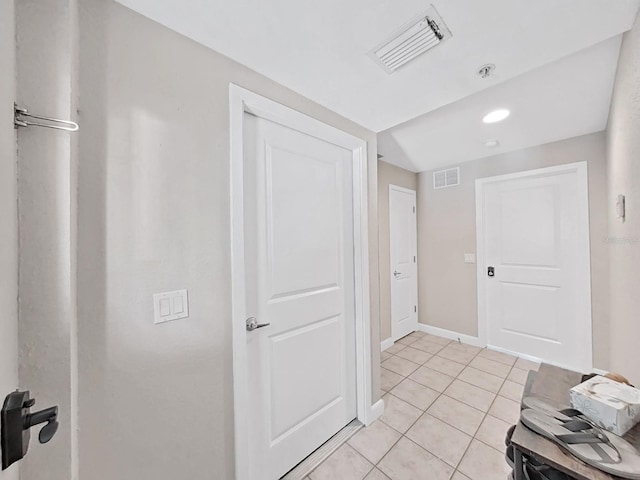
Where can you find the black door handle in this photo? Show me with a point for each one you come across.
(16, 420)
(491, 272)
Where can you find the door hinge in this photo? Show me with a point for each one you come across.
(414, 209)
(415, 308)
(414, 259)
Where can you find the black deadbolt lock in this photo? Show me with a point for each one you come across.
(491, 272)
(17, 419)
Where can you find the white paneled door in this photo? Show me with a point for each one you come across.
(403, 261)
(536, 266)
(299, 263)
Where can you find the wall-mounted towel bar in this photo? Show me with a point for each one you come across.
(19, 121)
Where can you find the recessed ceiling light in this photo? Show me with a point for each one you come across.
(491, 143)
(496, 116)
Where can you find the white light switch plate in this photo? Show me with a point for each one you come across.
(469, 258)
(170, 306)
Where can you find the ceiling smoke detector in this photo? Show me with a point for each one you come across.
(486, 71)
(411, 40)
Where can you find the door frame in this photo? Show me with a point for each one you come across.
(415, 195)
(581, 170)
(241, 101)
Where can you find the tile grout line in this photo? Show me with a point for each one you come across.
(403, 435)
(466, 365)
(440, 394)
(483, 419)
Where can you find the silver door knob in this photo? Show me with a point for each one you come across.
(252, 324)
(396, 273)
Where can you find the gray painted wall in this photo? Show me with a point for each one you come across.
(623, 149)
(8, 215)
(388, 175)
(46, 68)
(447, 230)
(156, 401)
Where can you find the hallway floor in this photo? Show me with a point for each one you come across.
(447, 409)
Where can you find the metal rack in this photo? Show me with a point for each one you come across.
(21, 113)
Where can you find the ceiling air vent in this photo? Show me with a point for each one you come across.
(446, 178)
(411, 40)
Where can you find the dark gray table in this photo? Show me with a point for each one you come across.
(552, 384)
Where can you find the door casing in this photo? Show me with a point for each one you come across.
(241, 101)
(580, 168)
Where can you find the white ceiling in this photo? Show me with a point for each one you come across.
(566, 98)
(319, 48)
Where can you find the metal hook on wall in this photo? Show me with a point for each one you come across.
(19, 121)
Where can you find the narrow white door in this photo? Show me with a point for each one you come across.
(537, 266)
(403, 261)
(299, 253)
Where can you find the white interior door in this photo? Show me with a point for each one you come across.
(536, 240)
(299, 263)
(403, 261)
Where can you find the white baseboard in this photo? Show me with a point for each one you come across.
(386, 344)
(516, 354)
(477, 342)
(539, 360)
(441, 332)
(376, 411)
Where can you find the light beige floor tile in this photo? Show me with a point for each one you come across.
(345, 464)
(498, 356)
(451, 352)
(417, 334)
(482, 462)
(395, 348)
(408, 340)
(435, 339)
(415, 394)
(398, 413)
(445, 366)
(457, 414)
(481, 379)
(431, 378)
(384, 356)
(374, 441)
(459, 476)
(441, 439)
(471, 395)
(512, 391)
(465, 347)
(389, 379)
(408, 461)
(427, 346)
(506, 410)
(376, 474)
(490, 366)
(493, 432)
(415, 355)
(401, 366)
(527, 364)
(518, 375)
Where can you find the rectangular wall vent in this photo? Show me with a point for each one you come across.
(446, 178)
(411, 40)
